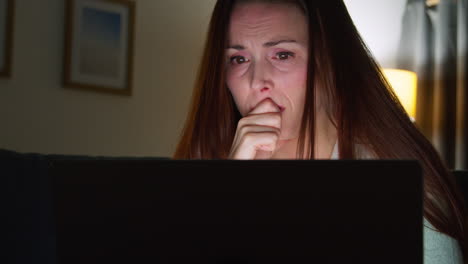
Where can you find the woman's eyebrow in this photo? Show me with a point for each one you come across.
(266, 44)
(274, 43)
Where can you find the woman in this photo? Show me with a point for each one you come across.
(292, 79)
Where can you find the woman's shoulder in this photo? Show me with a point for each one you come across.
(362, 151)
(438, 247)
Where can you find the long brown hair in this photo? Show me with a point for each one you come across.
(361, 105)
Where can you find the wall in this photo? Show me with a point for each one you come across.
(379, 22)
(38, 115)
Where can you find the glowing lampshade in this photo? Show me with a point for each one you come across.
(404, 84)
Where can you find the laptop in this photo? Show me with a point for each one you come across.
(226, 211)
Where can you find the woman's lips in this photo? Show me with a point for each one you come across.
(280, 107)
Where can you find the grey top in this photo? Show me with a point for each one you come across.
(438, 248)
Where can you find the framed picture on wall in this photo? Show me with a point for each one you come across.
(99, 45)
(6, 36)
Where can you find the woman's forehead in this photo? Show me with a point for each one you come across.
(267, 21)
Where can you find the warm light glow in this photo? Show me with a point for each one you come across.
(404, 84)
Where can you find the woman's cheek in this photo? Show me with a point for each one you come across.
(293, 76)
(238, 70)
(292, 65)
(232, 80)
(298, 73)
(235, 78)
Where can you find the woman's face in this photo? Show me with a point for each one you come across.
(267, 58)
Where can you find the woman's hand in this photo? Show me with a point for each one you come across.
(258, 132)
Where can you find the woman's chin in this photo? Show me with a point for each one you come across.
(288, 136)
(286, 139)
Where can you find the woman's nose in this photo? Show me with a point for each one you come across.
(260, 77)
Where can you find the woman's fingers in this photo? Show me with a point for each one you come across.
(254, 139)
(255, 133)
(266, 119)
(265, 106)
(258, 133)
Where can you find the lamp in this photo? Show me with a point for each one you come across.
(404, 84)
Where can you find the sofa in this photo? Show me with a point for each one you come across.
(26, 192)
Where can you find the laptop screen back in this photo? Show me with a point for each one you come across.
(167, 211)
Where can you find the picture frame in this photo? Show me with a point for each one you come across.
(98, 53)
(6, 37)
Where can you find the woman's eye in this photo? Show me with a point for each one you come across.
(284, 55)
(238, 59)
